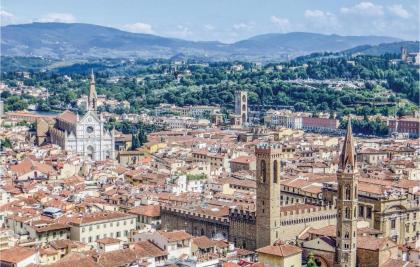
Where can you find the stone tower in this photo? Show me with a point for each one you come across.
(268, 193)
(404, 54)
(93, 98)
(241, 105)
(347, 194)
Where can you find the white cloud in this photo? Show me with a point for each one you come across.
(58, 17)
(399, 11)
(364, 9)
(209, 27)
(181, 31)
(317, 14)
(6, 17)
(244, 26)
(322, 21)
(139, 27)
(281, 23)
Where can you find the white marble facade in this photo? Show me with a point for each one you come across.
(86, 135)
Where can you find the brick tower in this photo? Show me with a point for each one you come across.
(347, 178)
(268, 193)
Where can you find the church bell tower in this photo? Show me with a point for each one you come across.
(92, 98)
(268, 193)
(347, 198)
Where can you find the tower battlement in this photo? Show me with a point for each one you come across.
(268, 148)
(290, 215)
(196, 214)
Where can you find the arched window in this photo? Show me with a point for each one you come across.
(275, 171)
(347, 216)
(263, 171)
(346, 235)
(348, 193)
(355, 191)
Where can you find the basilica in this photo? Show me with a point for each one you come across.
(85, 135)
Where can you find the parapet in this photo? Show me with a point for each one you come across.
(195, 214)
(320, 210)
(242, 213)
(267, 148)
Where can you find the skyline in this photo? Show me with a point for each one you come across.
(226, 21)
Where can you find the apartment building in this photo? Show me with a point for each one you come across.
(88, 228)
(175, 243)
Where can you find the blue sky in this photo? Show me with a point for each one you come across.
(226, 20)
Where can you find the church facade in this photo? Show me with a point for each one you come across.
(84, 135)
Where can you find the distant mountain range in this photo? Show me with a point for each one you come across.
(391, 48)
(78, 40)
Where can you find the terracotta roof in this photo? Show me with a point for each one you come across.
(281, 250)
(65, 243)
(74, 259)
(175, 235)
(146, 210)
(239, 182)
(68, 116)
(244, 159)
(147, 248)
(28, 165)
(329, 230)
(122, 257)
(16, 254)
(203, 242)
(51, 227)
(108, 240)
(48, 251)
(99, 216)
(373, 243)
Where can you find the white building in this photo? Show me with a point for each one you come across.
(87, 135)
(89, 228)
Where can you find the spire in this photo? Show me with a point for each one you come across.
(92, 77)
(348, 154)
(92, 93)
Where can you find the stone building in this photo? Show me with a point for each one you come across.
(86, 135)
(198, 222)
(393, 211)
(293, 220)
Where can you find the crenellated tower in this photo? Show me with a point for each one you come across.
(347, 198)
(268, 193)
